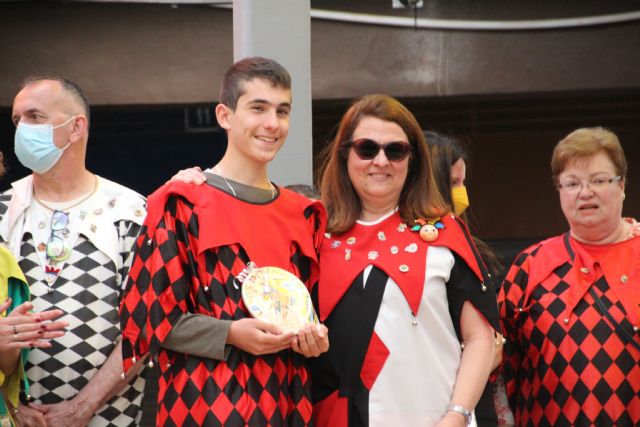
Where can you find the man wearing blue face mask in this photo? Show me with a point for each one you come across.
(34, 145)
(72, 233)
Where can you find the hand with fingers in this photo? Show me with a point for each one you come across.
(258, 337)
(66, 413)
(25, 416)
(21, 328)
(312, 340)
(192, 175)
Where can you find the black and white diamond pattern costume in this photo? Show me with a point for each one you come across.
(88, 289)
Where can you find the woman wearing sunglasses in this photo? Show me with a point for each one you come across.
(410, 317)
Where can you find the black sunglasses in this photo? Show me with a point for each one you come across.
(368, 149)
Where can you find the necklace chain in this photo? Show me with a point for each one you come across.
(95, 188)
(219, 169)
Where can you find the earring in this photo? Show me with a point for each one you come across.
(623, 196)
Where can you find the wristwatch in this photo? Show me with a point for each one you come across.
(462, 411)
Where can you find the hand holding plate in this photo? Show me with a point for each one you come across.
(258, 337)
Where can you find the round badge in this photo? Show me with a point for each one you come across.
(412, 248)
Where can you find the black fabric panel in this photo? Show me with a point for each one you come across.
(485, 411)
(350, 326)
(486, 301)
(464, 285)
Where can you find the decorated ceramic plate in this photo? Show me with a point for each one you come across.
(277, 296)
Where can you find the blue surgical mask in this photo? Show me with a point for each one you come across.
(35, 148)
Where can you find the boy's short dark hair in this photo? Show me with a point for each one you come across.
(246, 70)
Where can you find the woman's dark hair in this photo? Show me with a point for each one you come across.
(445, 151)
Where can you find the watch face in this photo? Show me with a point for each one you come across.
(277, 296)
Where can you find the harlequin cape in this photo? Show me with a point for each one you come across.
(195, 241)
(392, 303)
(390, 253)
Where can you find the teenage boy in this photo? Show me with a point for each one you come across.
(219, 366)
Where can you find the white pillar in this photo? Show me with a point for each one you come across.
(281, 30)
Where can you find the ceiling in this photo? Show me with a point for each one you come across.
(490, 10)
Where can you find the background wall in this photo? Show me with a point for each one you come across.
(130, 54)
(152, 74)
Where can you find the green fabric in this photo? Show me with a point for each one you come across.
(13, 285)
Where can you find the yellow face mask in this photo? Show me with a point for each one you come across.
(460, 199)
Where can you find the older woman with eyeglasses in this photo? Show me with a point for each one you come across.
(570, 304)
(401, 291)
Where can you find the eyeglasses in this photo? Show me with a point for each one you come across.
(55, 245)
(574, 185)
(368, 149)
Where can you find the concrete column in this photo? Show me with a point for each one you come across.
(281, 29)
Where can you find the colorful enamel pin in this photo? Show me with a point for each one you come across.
(428, 229)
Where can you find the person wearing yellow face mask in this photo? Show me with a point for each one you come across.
(458, 190)
(450, 170)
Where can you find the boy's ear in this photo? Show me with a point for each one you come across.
(223, 114)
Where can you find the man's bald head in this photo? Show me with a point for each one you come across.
(70, 98)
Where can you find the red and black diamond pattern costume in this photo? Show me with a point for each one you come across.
(566, 363)
(195, 241)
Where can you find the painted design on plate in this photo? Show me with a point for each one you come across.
(277, 296)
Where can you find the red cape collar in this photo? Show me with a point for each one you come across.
(225, 220)
(391, 246)
(584, 272)
(551, 255)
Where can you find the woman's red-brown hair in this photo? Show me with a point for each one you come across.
(583, 143)
(419, 197)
